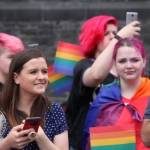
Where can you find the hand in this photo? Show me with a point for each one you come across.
(17, 137)
(130, 30)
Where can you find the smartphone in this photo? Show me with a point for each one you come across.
(131, 16)
(35, 45)
(32, 122)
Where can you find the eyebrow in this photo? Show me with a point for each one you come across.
(11, 55)
(37, 69)
(130, 58)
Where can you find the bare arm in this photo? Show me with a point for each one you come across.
(145, 133)
(102, 65)
(60, 141)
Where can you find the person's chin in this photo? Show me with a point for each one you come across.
(42, 91)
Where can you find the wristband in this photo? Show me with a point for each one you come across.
(117, 37)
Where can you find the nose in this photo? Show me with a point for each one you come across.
(129, 65)
(111, 35)
(40, 75)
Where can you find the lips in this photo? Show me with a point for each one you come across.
(39, 83)
(129, 72)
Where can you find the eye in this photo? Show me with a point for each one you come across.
(135, 60)
(122, 61)
(44, 71)
(106, 33)
(10, 56)
(33, 72)
(114, 33)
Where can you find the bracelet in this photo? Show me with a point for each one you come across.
(117, 37)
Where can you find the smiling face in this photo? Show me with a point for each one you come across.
(129, 63)
(33, 78)
(110, 32)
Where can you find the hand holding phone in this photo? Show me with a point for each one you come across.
(34, 123)
(131, 16)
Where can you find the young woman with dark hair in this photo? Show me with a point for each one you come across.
(23, 97)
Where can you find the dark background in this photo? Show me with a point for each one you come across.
(48, 21)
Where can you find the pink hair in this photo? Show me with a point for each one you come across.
(93, 31)
(11, 42)
(131, 42)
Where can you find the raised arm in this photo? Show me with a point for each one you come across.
(102, 65)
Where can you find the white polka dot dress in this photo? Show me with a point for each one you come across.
(55, 123)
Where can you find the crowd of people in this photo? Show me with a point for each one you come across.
(108, 89)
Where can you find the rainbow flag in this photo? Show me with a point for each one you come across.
(113, 137)
(67, 55)
(59, 82)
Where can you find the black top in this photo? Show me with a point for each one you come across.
(79, 102)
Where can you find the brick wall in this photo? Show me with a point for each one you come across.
(46, 22)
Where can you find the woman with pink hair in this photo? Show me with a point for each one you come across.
(120, 106)
(97, 39)
(9, 46)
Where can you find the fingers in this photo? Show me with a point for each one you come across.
(19, 132)
(25, 132)
(21, 138)
(137, 29)
(18, 128)
(21, 143)
(136, 34)
(134, 23)
(23, 121)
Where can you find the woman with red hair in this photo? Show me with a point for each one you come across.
(9, 46)
(97, 39)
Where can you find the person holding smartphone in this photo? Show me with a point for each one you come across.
(97, 39)
(23, 97)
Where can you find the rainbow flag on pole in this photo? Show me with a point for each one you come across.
(59, 82)
(113, 137)
(67, 55)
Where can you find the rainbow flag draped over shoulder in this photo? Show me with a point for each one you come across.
(67, 55)
(107, 108)
(113, 138)
(60, 83)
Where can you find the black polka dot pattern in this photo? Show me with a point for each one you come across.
(55, 124)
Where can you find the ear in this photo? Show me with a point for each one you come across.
(144, 63)
(16, 78)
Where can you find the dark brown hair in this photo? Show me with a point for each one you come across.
(10, 93)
